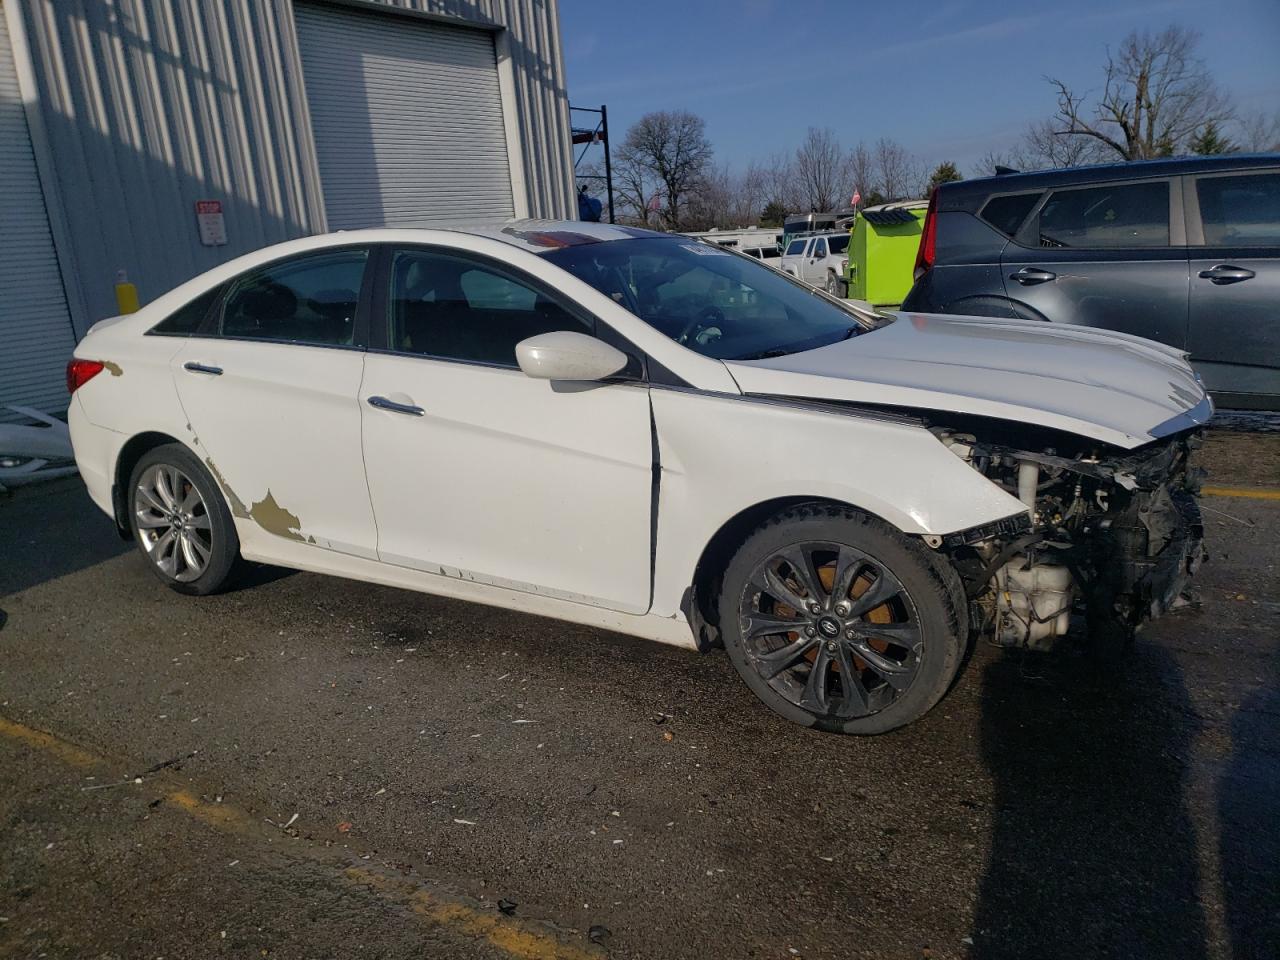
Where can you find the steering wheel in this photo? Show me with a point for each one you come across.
(709, 316)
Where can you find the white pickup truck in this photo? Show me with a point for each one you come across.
(819, 260)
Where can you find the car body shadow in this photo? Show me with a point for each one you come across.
(1093, 851)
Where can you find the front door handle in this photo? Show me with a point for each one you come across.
(202, 368)
(1225, 273)
(382, 403)
(1032, 275)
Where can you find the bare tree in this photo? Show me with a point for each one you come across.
(668, 151)
(862, 173)
(898, 174)
(1259, 132)
(821, 169)
(778, 177)
(1157, 93)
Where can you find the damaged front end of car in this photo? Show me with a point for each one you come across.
(1111, 533)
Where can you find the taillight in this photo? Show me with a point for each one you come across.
(80, 372)
(928, 237)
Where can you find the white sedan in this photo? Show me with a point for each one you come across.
(651, 435)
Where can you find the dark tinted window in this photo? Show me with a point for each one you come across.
(310, 299)
(838, 244)
(1117, 215)
(1240, 211)
(458, 309)
(819, 248)
(1007, 213)
(184, 321)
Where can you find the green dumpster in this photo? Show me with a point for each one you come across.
(882, 253)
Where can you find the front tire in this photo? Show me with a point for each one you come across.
(837, 286)
(837, 621)
(181, 522)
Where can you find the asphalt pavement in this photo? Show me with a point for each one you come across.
(309, 767)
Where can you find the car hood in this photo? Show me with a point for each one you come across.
(1109, 386)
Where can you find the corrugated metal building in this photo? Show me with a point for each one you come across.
(287, 117)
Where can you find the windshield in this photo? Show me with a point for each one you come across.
(719, 304)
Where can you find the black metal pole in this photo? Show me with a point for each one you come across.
(608, 167)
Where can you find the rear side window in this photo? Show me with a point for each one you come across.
(310, 299)
(1007, 213)
(184, 321)
(1240, 211)
(1115, 215)
(838, 244)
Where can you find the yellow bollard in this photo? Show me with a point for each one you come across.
(126, 293)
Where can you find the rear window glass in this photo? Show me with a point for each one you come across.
(184, 321)
(1240, 211)
(838, 244)
(1007, 213)
(1115, 215)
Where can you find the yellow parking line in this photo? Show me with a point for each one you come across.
(521, 939)
(68, 753)
(1251, 493)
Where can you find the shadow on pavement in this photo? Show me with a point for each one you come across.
(50, 530)
(1249, 818)
(1093, 850)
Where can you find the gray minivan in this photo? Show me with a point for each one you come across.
(1182, 251)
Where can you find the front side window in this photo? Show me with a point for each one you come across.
(1116, 215)
(455, 308)
(819, 248)
(714, 302)
(1240, 211)
(310, 299)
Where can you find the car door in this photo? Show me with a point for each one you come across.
(815, 262)
(270, 385)
(478, 471)
(1104, 255)
(1233, 227)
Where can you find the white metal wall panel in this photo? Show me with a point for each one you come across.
(36, 337)
(407, 118)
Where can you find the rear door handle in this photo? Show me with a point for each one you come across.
(1031, 275)
(202, 368)
(1225, 273)
(382, 403)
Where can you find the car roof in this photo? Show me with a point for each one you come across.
(541, 236)
(1103, 172)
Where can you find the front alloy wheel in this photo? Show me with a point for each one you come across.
(838, 621)
(830, 629)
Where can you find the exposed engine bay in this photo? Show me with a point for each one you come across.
(1112, 533)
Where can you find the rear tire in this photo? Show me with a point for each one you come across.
(181, 523)
(821, 593)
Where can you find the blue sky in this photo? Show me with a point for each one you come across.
(950, 79)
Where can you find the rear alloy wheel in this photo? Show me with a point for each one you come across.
(180, 521)
(837, 621)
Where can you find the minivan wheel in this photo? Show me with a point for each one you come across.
(181, 522)
(837, 621)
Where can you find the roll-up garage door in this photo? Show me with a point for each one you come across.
(407, 118)
(36, 337)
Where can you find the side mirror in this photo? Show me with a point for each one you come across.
(565, 355)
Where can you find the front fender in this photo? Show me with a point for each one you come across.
(721, 455)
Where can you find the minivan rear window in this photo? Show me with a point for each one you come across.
(1113, 215)
(1007, 213)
